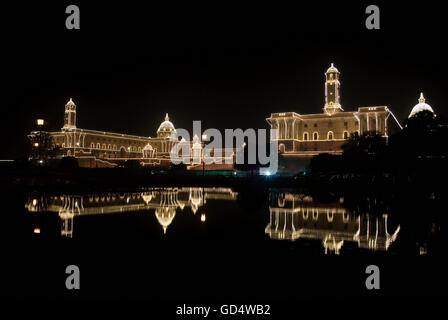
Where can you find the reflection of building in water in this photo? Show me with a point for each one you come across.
(164, 202)
(295, 216)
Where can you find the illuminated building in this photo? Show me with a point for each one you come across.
(420, 106)
(295, 216)
(305, 135)
(164, 203)
(95, 148)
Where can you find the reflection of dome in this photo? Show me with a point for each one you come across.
(165, 216)
(421, 106)
(332, 69)
(166, 125)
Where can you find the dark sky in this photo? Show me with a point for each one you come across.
(227, 65)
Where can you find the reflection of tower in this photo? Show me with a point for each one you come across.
(196, 198)
(70, 115)
(66, 224)
(332, 85)
(71, 205)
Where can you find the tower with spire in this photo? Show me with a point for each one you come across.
(70, 115)
(332, 87)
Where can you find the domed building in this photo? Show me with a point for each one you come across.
(421, 106)
(95, 148)
(166, 129)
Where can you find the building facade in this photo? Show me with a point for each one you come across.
(306, 135)
(95, 148)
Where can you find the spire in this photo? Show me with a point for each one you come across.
(422, 98)
(166, 117)
(70, 102)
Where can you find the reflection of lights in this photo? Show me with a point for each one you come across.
(34, 202)
(36, 230)
(203, 218)
(40, 122)
(36, 144)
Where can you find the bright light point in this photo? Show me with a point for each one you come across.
(41, 161)
(204, 137)
(265, 172)
(36, 230)
(36, 144)
(203, 217)
(234, 173)
(40, 122)
(34, 202)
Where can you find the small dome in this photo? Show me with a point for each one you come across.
(166, 125)
(332, 69)
(70, 103)
(421, 106)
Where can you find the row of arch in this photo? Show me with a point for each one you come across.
(114, 147)
(330, 135)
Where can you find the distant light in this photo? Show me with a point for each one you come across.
(203, 218)
(40, 122)
(265, 172)
(41, 161)
(204, 137)
(36, 230)
(34, 202)
(234, 173)
(36, 144)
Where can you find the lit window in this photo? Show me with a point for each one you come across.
(305, 136)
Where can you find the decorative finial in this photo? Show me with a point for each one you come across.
(332, 65)
(166, 117)
(422, 98)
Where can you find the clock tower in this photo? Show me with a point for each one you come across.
(332, 87)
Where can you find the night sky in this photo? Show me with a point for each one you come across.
(227, 65)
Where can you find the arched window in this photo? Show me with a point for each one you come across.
(305, 136)
(92, 145)
(98, 146)
(139, 149)
(315, 136)
(345, 135)
(330, 135)
(109, 147)
(104, 146)
(115, 147)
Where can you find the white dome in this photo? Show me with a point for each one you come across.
(421, 106)
(166, 125)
